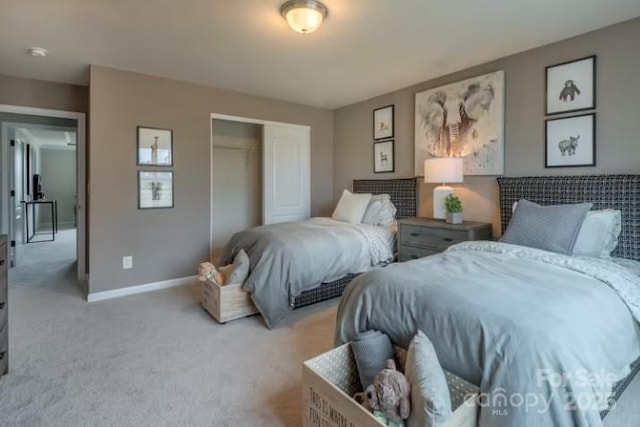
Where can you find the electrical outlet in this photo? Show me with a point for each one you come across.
(127, 262)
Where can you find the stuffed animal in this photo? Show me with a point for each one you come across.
(388, 396)
(208, 271)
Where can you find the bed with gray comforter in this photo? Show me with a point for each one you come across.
(544, 335)
(289, 258)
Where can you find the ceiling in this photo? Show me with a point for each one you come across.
(365, 48)
(47, 136)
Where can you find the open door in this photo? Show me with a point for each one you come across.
(17, 163)
(286, 173)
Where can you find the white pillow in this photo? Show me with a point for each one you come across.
(381, 211)
(598, 236)
(351, 207)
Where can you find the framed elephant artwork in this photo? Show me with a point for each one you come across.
(571, 86)
(570, 141)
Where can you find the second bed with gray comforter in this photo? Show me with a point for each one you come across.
(289, 258)
(545, 336)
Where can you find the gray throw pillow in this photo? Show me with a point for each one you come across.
(550, 228)
(430, 398)
(240, 269)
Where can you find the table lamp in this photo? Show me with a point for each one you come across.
(442, 170)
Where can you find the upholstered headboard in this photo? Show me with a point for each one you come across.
(403, 193)
(621, 192)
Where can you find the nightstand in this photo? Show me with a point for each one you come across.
(420, 237)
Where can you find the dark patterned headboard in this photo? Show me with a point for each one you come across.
(403, 193)
(621, 192)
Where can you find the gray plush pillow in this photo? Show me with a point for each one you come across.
(240, 269)
(430, 398)
(550, 228)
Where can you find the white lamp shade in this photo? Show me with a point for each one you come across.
(443, 170)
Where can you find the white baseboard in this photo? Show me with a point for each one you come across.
(139, 289)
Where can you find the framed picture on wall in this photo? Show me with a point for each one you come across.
(571, 86)
(383, 157)
(155, 190)
(383, 123)
(570, 141)
(155, 147)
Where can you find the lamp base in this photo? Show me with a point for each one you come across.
(440, 193)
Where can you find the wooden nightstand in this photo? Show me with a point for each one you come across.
(420, 237)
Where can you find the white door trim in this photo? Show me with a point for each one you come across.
(215, 116)
(81, 172)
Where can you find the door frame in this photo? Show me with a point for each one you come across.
(215, 116)
(81, 174)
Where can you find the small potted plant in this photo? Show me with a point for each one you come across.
(454, 209)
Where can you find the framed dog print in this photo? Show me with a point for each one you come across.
(383, 123)
(155, 190)
(155, 147)
(383, 157)
(571, 86)
(570, 141)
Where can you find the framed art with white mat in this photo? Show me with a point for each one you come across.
(155, 190)
(383, 123)
(155, 147)
(383, 157)
(570, 141)
(571, 86)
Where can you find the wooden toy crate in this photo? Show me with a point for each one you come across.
(329, 381)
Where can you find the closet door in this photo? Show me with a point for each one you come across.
(286, 170)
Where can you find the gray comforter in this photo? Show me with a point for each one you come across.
(289, 258)
(545, 336)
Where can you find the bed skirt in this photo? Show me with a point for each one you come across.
(323, 292)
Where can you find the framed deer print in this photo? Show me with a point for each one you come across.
(570, 141)
(155, 190)
(383, 123)
(155, 147)
(571, 86)
(383, 157)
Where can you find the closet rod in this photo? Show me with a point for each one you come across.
(222, 147)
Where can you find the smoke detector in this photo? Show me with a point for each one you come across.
(38, 52)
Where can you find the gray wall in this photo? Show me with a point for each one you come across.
(618, 120)
(58, 170)
(169, 243)
(41, 94)
(237, 180)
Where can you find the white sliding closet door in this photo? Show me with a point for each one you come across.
(286, 170)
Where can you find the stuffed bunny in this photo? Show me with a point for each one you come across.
(388, 395)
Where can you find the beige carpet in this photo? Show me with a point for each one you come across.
(157, 359)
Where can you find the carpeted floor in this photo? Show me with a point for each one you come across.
(157, 359)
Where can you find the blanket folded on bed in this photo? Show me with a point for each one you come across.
(544, 335)
(289, 258)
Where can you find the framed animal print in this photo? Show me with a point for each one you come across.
(462, 119)
(155, 147)
(570, 141)
(383, 157)
(383, 123)
(155, 189)
(571, 86)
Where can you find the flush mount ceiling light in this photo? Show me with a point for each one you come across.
(304, 16)
(38, 52)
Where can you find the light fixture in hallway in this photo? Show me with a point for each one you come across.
(304, 16)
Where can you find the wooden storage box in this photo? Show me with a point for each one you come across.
(329, 381)
(227, 302)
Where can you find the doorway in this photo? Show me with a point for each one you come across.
(260, 175)
(42, 197)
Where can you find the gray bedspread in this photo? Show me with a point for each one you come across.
(545, 336)
(289, 258)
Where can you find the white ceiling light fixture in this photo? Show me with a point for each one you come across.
(38, 52)
(304, 16)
